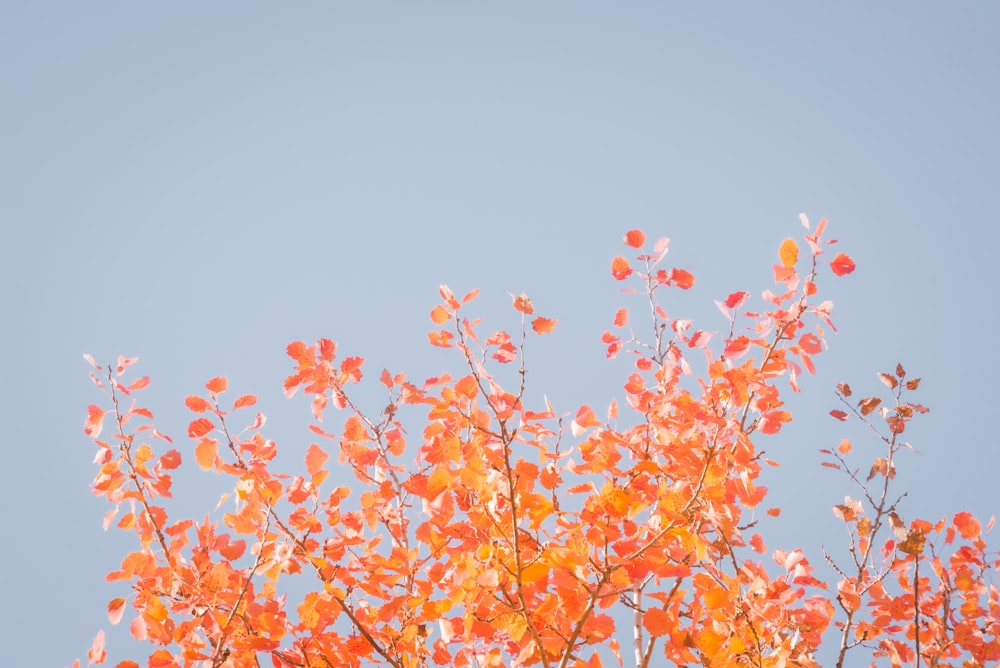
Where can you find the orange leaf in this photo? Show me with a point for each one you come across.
(467, 386)
(534, 572)
(439, 315)
(789, 252)
(95, 419)
(161, 658)
(657, 622)
(848, 595)
(635, 238)
(197, 404)
(204, 453)
(869, 404)
(244, 401)
(523, 304)
(842, 264)
(620, 268)
(116, 608)
(585, 419)
(200, 427)
(770, 422)
(845, 446)
(967, 525)
(543, 325)
(736, 348)
(217, 385)
(170, 459)
(811, 344)
(441, 339)
(682, 279)
(315, 458)
(621, 317)
(139, 384)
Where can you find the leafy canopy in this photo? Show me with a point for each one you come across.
(490, 532)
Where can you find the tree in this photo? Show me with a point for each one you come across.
(497, 533)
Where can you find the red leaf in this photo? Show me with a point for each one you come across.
(736, 348)
(621, 317)
(327, 349)
(299, 352)
(217, 385)
(200, 427)
(842, 264)
(682, 279)
(170, 459)
(543, 325)
(620, 268)
(840, 415)
(811, 344)
(736, 299)
(635, 238)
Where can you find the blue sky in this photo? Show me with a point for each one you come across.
(198, 185)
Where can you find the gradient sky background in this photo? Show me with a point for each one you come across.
(199, 184)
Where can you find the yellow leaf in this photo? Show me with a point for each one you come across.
(533, 572)
(789, 252)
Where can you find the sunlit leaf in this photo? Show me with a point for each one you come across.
(620, 268)
(244, 401)
(204, 453)
(200, 427)
(197, 404)
(439, 315)
(842, 264)
(681, 278)
(788, 252)
(543, 325)
(635, 238)
(217, 385)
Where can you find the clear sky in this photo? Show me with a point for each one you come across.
(198, 184)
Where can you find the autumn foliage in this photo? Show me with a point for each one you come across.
(459, 526)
